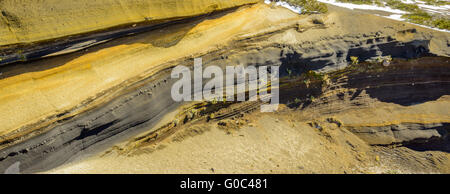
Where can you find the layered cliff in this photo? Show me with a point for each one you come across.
(54, 109)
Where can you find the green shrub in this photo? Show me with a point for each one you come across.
(396, 4)
(364, 2)
(419, 17)
(441, 23)
(359, 2)
(415, 15)
(436, 2)
(289, 72)
(424, 18)
(309, 6)
(355, 60)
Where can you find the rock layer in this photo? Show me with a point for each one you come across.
(70, 103)
(31, 21)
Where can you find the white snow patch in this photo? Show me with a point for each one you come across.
(397, 14)
(364, 7)
(408, 1)
(432, 11)
(396, 17)
(444, 7)
(290, 7)
(293, 8)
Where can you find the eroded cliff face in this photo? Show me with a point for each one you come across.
(403, 103)
(25, 21)
(56, 108)
(366, 118)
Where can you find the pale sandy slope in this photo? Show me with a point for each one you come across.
(281, 142)
(271, 144)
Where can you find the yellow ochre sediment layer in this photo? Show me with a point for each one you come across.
(28, 97)
(24, 21)
(34, 91)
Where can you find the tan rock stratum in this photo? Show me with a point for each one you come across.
(111, 101)
(23, 21)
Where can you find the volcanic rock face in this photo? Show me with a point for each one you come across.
(404, 103)
(58, 108)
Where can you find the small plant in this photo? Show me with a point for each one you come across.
(297, 101)
(22, 57)
(355, 60)
(364, 2)
(175, 122)
(379, 3)
(379, 59)
(315, 75)
(359, 2)
(289, 72)
(396, 4)
(214, 101)
(419, 17)
(436, 2)
(309, 6)
(377, 158)
(441, 23)
(387, 60)
(307, 82)
(326, 80)
(191, 114)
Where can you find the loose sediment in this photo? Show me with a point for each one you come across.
(118, 89)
